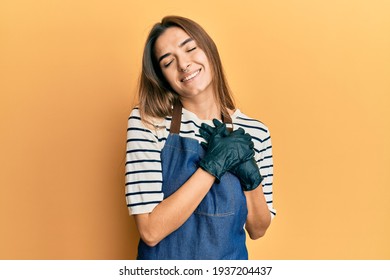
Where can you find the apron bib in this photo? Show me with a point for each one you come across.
(216, 228)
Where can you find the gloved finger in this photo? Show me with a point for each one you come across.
(205, 134)
(238, 135)
(248, 136)
(216, 122)
(238, 131)
(221, 130)
(204, 145)
(246, 141)
(249, 155)
(207, 129)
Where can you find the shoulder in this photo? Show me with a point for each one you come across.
(135, 116)
(136, 124)
(147, 123)
(152, 129)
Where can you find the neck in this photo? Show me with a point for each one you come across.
(205, 109)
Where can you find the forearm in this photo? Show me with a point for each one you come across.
(259, 217)
(173, 211)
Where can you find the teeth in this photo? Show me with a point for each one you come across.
(190, 76)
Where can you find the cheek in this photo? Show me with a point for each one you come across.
(208, 70)
(171, 78)
(202, 59)
(168, 75)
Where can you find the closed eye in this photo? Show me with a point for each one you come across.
(167, 64)
(190, 50)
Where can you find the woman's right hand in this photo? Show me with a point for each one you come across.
(224, 150)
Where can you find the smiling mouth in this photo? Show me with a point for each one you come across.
(190, 77)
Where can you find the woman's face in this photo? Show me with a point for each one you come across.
(184, 65)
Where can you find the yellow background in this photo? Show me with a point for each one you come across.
(316, 72)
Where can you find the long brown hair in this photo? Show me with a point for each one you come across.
(156, 96)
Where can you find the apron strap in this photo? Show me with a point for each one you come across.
(176, 118)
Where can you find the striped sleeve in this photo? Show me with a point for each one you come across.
(265, 162)
(263, 154)
(143, 178)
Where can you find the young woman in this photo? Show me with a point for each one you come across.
(194, 178)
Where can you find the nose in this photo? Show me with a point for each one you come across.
(186, 69)
(183, 65)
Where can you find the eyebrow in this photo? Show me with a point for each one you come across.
(180, 45)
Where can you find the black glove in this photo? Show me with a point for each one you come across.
(247, 171)
(224, 151)
(249, 174)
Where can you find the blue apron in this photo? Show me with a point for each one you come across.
(216, 228)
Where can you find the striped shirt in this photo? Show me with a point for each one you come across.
(143, 162)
